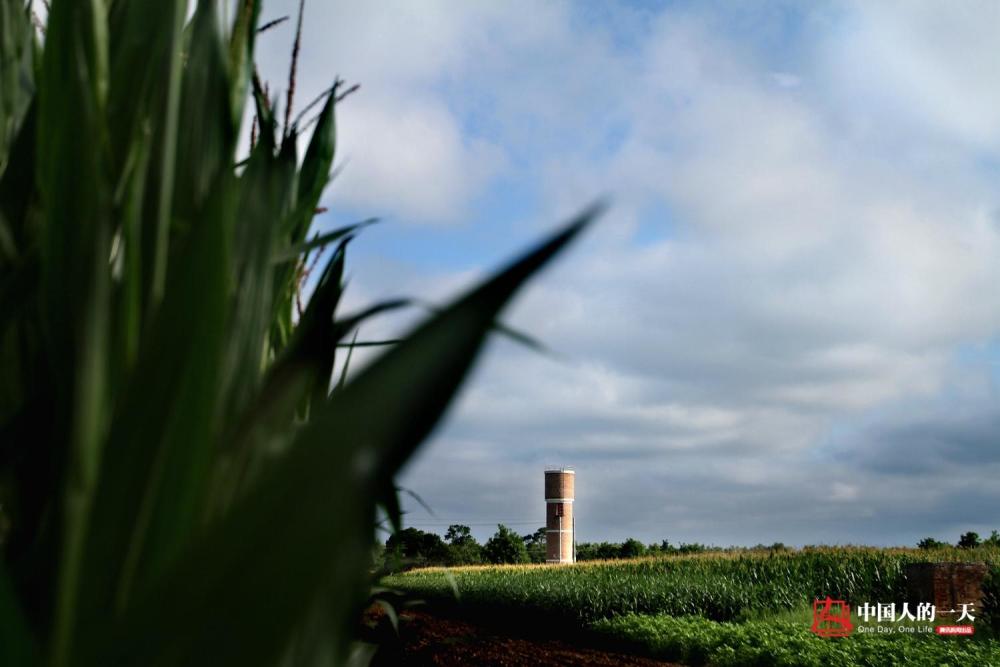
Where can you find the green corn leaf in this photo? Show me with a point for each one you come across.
(20, 360)
(159, 449)
(241, 44)
(323, 335)
(155, 245)
(319, 155)
(285, 276)
(17, 188)
(291, 377)
(185, 485)
(266, 192)
(236, 582)
(309, 518)
(205, 147)
(150, 497)
(130, 284)
(71, 172)
(17, 86)
(321, 240)
(182, 469)
(302, 371)
(17, 648)
(509, 332)
(371, 343)
(389, 499)
(140, 57)
(267, 124)
(347, 362)
(315, 169)
(438, 354)
(390, 612)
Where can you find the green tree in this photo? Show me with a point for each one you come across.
(535, 543)
(692, 548)
(462, 546)
(414, 547)
(457, 534)
(505, 546)
(930, 543)
(968, 540)
(608, 550)
(632, 548)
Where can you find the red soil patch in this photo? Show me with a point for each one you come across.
(428, 639)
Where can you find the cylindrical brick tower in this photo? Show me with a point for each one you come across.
(560, 543)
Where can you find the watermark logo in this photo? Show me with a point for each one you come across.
(831, 618)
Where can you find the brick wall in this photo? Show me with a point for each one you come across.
(947, 585)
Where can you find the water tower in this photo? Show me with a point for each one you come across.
(560, 524)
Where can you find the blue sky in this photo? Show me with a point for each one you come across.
(785, 329)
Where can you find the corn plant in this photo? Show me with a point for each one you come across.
(182, 479)
(718, 586)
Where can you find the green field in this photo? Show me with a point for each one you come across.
(731, 608)
(698, 641)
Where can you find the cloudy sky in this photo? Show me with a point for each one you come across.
(785, 329)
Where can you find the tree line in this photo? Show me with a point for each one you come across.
(969, 540)
(412, 547)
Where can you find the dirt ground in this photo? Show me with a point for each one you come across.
(429, 639)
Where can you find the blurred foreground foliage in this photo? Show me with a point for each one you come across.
(183, 480)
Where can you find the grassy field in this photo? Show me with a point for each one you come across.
(725, 608)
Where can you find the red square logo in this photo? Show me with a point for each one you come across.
(831, 618)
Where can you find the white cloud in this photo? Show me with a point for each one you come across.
(930, 65)
(407, 153)
(409, 158)
(832, 242)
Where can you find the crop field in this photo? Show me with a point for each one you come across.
(698, 641)
(714, 608)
